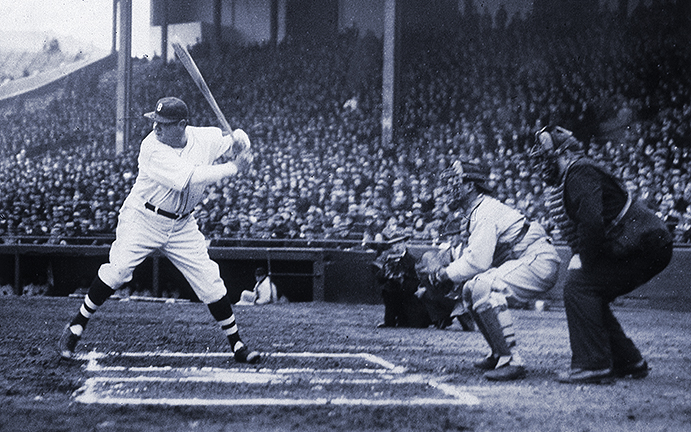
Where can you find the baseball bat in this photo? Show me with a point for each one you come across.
(198, 79)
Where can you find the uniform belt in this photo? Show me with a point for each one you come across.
(167, 214)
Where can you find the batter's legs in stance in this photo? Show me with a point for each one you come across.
(97, 295)
(222, 311)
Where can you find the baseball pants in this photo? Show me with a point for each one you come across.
(140, 232)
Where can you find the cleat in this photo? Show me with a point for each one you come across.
(508, 372)
(68, 342)
(488, 363)
(585, 376)
(244, 355)
(636, 371)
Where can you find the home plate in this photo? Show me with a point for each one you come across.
(287, 379)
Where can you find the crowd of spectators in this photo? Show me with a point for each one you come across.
(313, 113)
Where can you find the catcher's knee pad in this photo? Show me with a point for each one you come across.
(478, 293)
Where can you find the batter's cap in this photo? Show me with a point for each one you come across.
(169, 110)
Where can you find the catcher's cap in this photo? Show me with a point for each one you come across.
(472, 171)
(553, 139)
(169, 110)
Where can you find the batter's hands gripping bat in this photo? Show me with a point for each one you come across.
(198, 79)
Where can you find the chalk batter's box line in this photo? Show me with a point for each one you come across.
(89, 393)
(469, 400)
(93, 358)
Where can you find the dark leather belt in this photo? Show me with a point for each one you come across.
(167, 214)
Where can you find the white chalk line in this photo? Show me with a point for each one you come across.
(365, 356)
(390, 374)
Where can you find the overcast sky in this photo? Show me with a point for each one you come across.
(90, 21)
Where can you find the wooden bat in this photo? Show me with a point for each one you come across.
(198, 79)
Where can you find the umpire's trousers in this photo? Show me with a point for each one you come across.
(596, 337)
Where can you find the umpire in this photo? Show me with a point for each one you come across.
(618, 245)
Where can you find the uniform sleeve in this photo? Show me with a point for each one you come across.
(219, 143)
(477, 256)
(225, 144)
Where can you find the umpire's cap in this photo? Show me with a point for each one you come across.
(554, 139)
(169, 110)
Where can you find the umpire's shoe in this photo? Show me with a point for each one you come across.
(68, 342)
(244, 355)
(586, 376)
(636, 370)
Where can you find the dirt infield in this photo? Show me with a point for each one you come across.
(164, 367)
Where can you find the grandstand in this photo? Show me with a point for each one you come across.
(313, 111)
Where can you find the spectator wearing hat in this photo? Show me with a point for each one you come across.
(264, 291)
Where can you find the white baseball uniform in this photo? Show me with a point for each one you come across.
(530, 272)
(157, 213)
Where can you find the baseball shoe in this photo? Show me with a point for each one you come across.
(508, 372)
(488, 363)
(636, 370)
(68, 342)
(586, 376)
(244, 355)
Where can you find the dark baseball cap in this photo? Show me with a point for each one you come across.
(470, 170)
(169, 110)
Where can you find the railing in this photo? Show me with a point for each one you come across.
(267, 250)
(334, 269)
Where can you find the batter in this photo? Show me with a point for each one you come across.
(176, 163)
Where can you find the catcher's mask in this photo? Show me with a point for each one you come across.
(550, 143)
(462, 172)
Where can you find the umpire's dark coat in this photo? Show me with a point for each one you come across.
(592, 199)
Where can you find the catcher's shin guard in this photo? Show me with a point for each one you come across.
(496, 326)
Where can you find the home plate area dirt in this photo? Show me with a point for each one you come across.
(157, 366)
(283, 379)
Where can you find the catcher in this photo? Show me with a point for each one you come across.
(506, 259)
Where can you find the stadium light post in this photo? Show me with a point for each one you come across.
(390, 72)
(124, 78)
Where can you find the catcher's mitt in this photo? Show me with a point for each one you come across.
(431, 262)
(427, 268)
